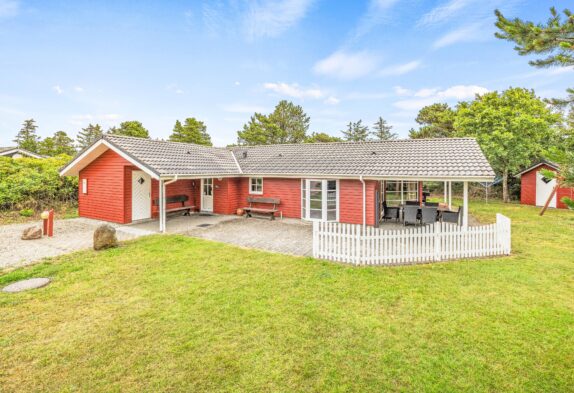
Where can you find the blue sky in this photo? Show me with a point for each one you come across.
(67, 64)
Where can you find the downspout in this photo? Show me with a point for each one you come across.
(364, 203)
(162, 202)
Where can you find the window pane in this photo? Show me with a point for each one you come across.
(316, 185)
(332, 185)
(316, 195)
(331, 215)
(316, 204)
(317, 214)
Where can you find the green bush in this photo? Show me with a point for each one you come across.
(31, 183)
(26, 212)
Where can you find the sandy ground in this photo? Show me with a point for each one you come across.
(69, 235)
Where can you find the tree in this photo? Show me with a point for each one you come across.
(564, 176)
(89, 135)
(130, 128)
(436, 120)
(513, 128)
(356, 132)
(321, 137)
(58, 144)
(288, 123)
(555, 38)
(382, 131)
(27, 138)
(192, 131)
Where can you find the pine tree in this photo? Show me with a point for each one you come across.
(89, 135)
(553, 38)
(192, 131)
(60, 143)
(27, 138)
(382, 131)
(356, 132)
(436, 120)
(321, 137)
(130, 128)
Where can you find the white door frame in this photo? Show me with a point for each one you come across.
(207, 207)
(141, 196)
(324, 183)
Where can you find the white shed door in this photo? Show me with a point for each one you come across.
(544, 189)
(141, 195)
(207, 195)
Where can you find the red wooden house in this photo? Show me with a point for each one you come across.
(535, 188)
(124, 179)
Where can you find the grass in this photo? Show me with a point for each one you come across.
(170, 313)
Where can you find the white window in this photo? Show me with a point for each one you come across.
(398, 192)
(256, 185)
(84, 186)
(320, 200)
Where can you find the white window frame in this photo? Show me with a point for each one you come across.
(305, 196)
(402, 190)
(84, 186)
(251, 186)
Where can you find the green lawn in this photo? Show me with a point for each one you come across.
(169, 313)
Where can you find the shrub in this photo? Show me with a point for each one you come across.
(26, 212)
(31, 183)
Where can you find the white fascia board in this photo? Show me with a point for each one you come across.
(334, 176)
(69, 170)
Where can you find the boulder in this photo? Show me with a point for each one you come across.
(32, 233)
(105, 237)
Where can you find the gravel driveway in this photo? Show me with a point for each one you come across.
(69, 235)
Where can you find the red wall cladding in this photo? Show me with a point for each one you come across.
(351, 201)
(191, 188)
(107, 197)
(287, 190)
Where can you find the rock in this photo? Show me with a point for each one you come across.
(24, 285)
(32, 233)
(105, 237)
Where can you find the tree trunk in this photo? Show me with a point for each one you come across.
(549, 198)
(505, 197)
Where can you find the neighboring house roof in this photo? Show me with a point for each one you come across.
(9, 151)
(456, 158)
(551, 164)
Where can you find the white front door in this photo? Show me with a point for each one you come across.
(141, 195)
(207, 195)
(543, 190)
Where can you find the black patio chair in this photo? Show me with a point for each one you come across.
(429, 215)
(412, 203)
(453, 217)
(410, 215)
(390, 213)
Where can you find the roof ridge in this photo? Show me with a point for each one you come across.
(163, 141)
(351, 142)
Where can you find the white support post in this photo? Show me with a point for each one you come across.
(445, 192)
(465, 205)
(450, 195)
(161, 205)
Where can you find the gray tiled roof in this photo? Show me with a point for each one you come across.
(175, 158)
(452, 157)
(3, 149)
(425, 158)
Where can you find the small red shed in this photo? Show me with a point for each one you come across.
(535, 188)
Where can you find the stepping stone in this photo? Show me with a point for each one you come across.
(25, 285)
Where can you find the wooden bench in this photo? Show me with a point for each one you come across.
(170, 200)
(271, 210)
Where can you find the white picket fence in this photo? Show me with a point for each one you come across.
(376, 246)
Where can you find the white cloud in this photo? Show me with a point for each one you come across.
(270, 18)
(237, 83)
(444, 12)
(377, 13)
(346, 65)
(58, 89)
(105, 120)
(428, 96)
(332, 101)
(470, 33)
(9, 8)
(401, 69)
(294, 90)
(401, 91)
(243, 108)
(78, 89)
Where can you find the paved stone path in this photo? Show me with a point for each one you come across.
(292, 237)
(69, 235)
(26, 285)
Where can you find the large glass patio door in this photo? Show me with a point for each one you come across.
(320, 200)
